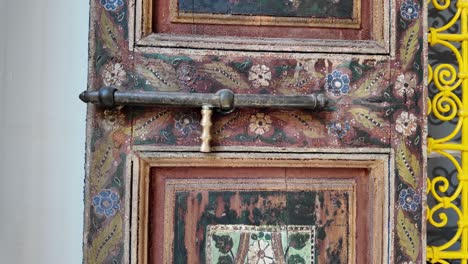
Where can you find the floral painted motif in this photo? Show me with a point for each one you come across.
(409, 200)
(260, 123)
(295, 3)
(223, 243)
(337, 83)
(406, 84)
(338, 129)
(307, 65)
(113, 74)
(260, 75)
(409, 10)
(112, 5)
(106, 203)
(259, 244)
(260, 251)
(186, 74)
(406, 124)
(113, 118)
(186, 122)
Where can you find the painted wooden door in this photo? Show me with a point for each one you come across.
(342, 185)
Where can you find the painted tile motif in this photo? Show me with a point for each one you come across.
(283, 8)
(246, 244)
(233, 226)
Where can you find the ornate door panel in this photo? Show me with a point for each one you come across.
(316, 151)
(201, 210)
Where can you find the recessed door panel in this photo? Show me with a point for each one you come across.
(249, 214)
(345, 20)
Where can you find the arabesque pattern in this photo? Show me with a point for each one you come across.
(448, 106)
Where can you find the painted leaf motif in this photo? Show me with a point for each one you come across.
(366, 118)
(296, 259)
(298, 240)
(223, 127)
(225, 75)
(107, 239)
(407, 165)
(225, 260)
(310, 127)
(313, 133)
(159, 74)
(145, 124)
(103, 158)
(409, 45)
(174, 60)
(299, 84)
(371, 83)
(109, 34)
(223, 243)
(407, 234)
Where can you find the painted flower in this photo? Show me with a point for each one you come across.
(186, 74)
(409, 200)
(106, 203)
(409, 10)
(307, 65)
(186, 123)
(113, 74)
(260, 251)
(337, 83)
(111, 5)
(406, 124)
(260, 75)
(338, 129)
(295, 3)
(405, 84)
(113, 118)
(260, 123)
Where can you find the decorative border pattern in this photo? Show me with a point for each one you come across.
(243, 229)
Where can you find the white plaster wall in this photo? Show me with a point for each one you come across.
(43, 67)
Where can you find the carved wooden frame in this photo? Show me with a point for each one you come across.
(142, 38)
(377, 161)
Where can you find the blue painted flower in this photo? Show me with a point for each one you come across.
(186, 123)
(338, 129)
(106, 203)
(409, 200)
(337, 83)
(112, 5)
(409, 10)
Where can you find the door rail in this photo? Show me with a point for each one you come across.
(224, 101)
